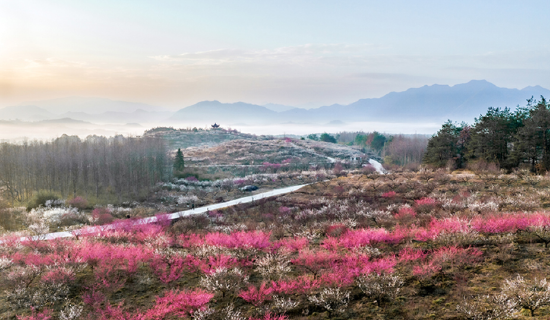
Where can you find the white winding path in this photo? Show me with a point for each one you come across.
(186, 213)
(378, 166)
(176, 215)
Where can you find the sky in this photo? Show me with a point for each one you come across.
(300, 53)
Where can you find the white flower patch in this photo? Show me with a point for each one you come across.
(187, 199)
(50, 214)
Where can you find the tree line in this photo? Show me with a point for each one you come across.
(401, 149)
(125, 167)
(508, 139)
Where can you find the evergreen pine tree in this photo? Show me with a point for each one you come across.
(327, 138)
(533, 139)
(448, 144)
(492, 135)
(179, 163)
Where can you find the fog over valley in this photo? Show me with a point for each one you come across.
(416, 110)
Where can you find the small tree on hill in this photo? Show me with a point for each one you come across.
(179, 163)
(376, 141)
(361, 139)
(313, 136)
(327, 138)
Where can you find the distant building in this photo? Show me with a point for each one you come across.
(215, 126)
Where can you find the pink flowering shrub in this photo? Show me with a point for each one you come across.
(411, 255)
(240, 182)
(58, 275)
(256, 296)
(240, 240)
(449, 225)
(504, 223)
(300, 285)
(405, 212)
(44, 315)
(163, 219)
(93, 297)
(216, 262)
(426, 270)
(389, 194)
(356, 265)
(284, 210)
(178, 304)
(78, 202)
(337, 279)
(315, 261)
(335, 230)
(287, 161)
(455, 256)
(362, 237)
(169, 269)
(102, 216)
(291, 244)
(425, 205)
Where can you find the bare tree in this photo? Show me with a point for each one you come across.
(487, 307)
(126, 166)
(380, 286)
(527, 294)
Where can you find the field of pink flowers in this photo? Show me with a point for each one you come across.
(426, 245)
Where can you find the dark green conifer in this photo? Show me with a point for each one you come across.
(448, 144)
(179, 163)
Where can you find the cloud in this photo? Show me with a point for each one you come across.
(300, 54)
(320, 73)
(343, 60)
(52, 62)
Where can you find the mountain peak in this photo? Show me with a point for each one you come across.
(479, 84)
(207, 102)
(537, 87)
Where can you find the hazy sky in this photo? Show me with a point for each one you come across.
(176, 53)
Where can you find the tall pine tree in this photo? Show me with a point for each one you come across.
(493, 134)
(533, 139)
(179, 163)
(450, 143)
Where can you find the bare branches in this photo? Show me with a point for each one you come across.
(527, 294)
(380, 286)
(487, 307)
(70, 166)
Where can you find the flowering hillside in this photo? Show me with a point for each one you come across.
(190, 137)
(427, 245)
(276, 151)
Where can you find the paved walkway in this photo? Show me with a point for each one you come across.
(186, 213)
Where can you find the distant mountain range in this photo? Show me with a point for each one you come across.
(86, 109)
(91, 105)
(278, 107)
(435, 103)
